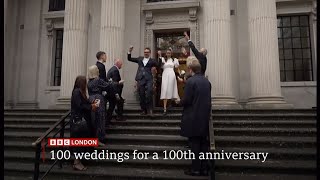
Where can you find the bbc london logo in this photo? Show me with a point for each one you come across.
(73, 142)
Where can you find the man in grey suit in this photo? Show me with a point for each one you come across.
(146, 67)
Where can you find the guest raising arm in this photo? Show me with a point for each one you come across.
(200, 55)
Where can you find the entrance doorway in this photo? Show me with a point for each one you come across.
(175, 40)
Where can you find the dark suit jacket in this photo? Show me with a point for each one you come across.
(196, 104)
(102, 71)
(144, 72)
(202, 58)
(114, 74)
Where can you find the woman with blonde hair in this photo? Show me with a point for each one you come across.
(95, 88)
(169, 88)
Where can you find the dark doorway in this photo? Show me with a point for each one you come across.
(174, 39)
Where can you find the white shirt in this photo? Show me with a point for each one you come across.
(145, 61)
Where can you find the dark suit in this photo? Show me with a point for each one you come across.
(114, 74)
(102, 71)
(145, 81)
(202, 58)
(196, 104)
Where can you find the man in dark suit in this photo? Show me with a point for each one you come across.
(146, 68)
(196, 104)
(200, 55)
(102, 58)
(111, 94)
(114, 75)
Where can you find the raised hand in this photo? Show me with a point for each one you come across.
(131, 48)
(186, 36)
(159, 53)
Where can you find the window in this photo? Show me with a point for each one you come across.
(56, 80)
(295, 48)
(150, 1)
(56, 5)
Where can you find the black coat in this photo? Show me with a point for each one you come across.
(114, 74)
(79, 105)
(102, 71)
(202, 58)
(144, 72)
(196, 104)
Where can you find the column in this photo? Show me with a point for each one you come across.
(218, 43)
(5, 14)
(314, 37)
(112, 29)
(264, 56)
(74, 55)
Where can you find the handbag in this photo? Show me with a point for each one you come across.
(79, 124)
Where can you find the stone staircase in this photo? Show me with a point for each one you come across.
(289, 136)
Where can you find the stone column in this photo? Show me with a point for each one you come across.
(112, 29)
(264, 56)
(74, 55)
(218, 43)
(314, 31)
(5, 13)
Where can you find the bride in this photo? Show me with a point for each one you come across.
(169, 89)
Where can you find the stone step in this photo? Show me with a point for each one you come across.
(176, 116)
(46, 123)
(176, 130)
(224, 166)
(223, 123)
(238, 131)
(296, 116)
(22, 111)
(174, 109)
(223, 141)
(100, 172)
(219, 176)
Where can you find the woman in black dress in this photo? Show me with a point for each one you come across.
(81, 107)
(95, 88)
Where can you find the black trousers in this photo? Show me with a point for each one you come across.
(199, 144)
(112, 104)
(146, 94)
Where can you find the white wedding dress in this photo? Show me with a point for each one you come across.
(169, 89)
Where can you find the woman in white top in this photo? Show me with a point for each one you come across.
(169, 89)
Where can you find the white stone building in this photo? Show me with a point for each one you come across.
(261, 53)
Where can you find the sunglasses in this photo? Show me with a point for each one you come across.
(146, 52)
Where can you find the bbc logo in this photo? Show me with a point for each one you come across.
(59, 142)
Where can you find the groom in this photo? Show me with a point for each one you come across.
(146, 67)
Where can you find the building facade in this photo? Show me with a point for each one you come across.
(261, 53)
